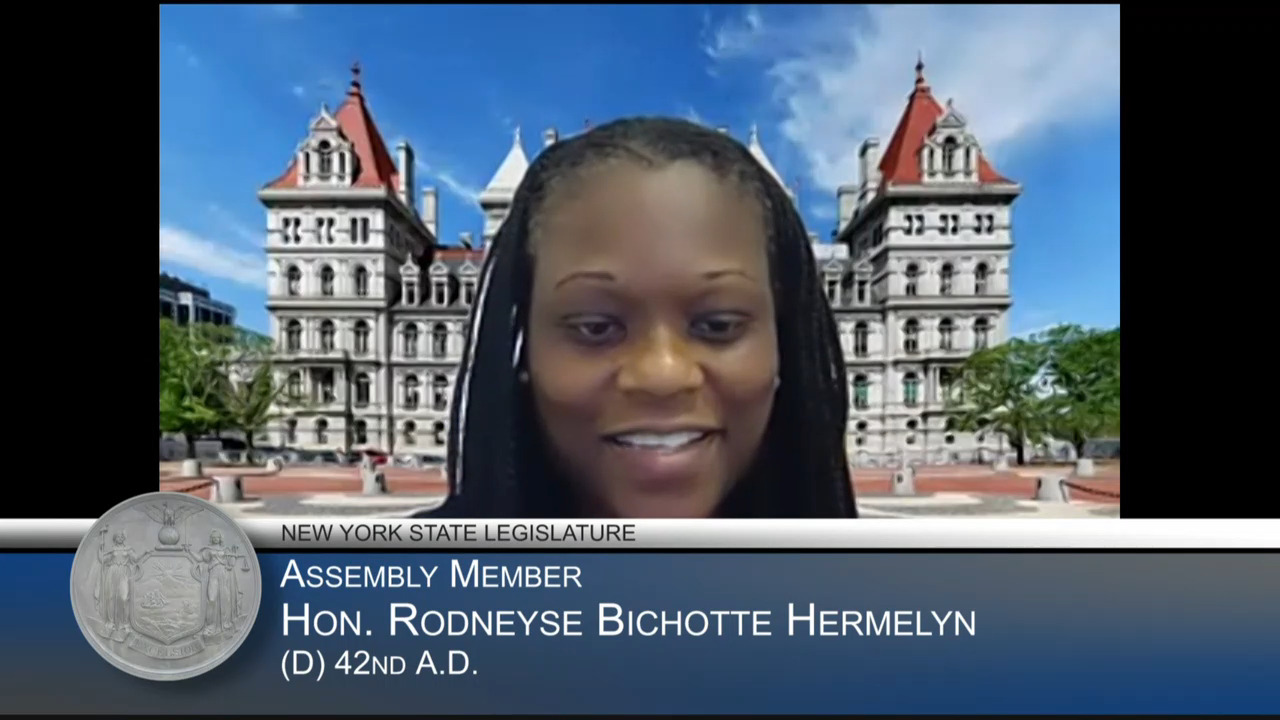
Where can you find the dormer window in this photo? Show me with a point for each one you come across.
(440, 292)
(411, 293)
(469, 292)
(325, 153)
(833, 290)
(325, 157)
(949, 147)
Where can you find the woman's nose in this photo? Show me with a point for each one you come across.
(660, 363)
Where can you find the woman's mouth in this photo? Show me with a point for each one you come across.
(668, 461)
(666, 442)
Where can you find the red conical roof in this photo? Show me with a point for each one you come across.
(375, 168)
(900, 164)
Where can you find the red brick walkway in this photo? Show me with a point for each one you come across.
(875, 481)
(869, 482)
(311, 480)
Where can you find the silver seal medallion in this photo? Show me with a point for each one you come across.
(165, 586)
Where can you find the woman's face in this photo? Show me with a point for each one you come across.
(652, 349)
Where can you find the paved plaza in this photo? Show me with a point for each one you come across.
(950, 491)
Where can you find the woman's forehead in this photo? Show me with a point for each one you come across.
(678, 213)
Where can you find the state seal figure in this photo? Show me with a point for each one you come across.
(167, 601)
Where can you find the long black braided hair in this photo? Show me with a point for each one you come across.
(498, 462)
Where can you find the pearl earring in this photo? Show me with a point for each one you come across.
(523, 376)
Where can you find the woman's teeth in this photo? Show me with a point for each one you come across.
(659, 441)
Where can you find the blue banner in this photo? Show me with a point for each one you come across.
(599, 633)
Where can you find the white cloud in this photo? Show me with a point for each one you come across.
(214, 259)
(842, 73)
(235, 226)
(299, 91)
(450, 181)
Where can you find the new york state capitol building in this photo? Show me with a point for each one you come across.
(369, 309)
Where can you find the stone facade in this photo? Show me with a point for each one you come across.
(370, 319)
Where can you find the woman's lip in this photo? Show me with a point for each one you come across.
(651, 430)
(660, 468)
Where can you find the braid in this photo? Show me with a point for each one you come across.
(499, 465)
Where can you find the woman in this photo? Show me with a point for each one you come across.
(650, 340)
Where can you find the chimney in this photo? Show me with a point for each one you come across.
(846, 204)
(550, 137)
(430, 210)
(465, 240)
(869, 163)
(406, 173)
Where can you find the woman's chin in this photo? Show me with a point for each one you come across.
(690, 506)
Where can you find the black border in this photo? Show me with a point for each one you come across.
(1192, 119)
(1195, 112)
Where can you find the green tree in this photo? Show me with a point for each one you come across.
(1083, 371)
(1001, 389)
(248, 392)
(190, 383)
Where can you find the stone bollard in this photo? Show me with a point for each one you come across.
(374, 482)
(904, 482)
(1084, 467)
(1052, 488)
(191, 468)
(228, 489)
(1001, 464)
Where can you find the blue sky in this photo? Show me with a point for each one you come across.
(1039, 85)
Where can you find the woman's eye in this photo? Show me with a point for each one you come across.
(721, 327)
(595, 330)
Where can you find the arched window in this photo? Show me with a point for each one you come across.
(361, 281)
(410, 428)
(290, 431)
(861, 392)
(913, 275)
(946, 331)
(949, 147)
(293, 336)
(361, 337)
(322, 431)
(363, 390)
(980, 274)
(910, 390)
(326, 336)
(361, 432)
(440, 392)
(411, 398)
(946, 275)
(439, 339)
(860, 339)
(911, 336)
(294, 385)
(326, 281)
(293, 284)
(981, 333)
(438, 434)
(410, 335)
(325, 151)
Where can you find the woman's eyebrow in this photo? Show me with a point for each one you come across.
(587, 275)
(605, 276)
(717, 274)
